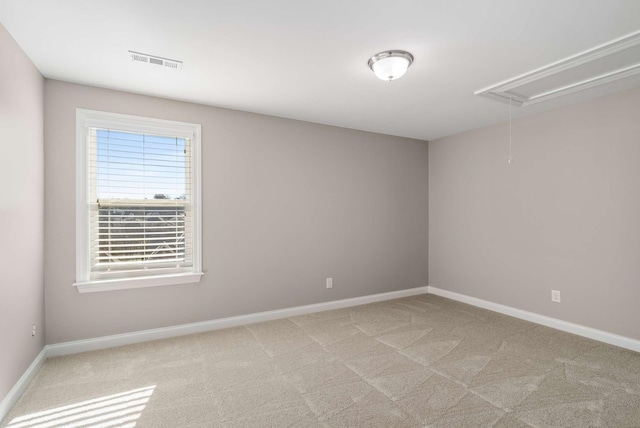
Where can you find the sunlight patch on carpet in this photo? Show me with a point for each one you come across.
(117, 410)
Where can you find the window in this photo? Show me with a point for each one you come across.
(138, 202)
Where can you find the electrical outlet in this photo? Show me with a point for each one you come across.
(329, 282)
(555, 296)
(33, 330)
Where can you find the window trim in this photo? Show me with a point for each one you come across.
(97, 119)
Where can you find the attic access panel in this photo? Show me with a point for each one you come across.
(603, 64)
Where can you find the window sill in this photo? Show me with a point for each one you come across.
(138, 282)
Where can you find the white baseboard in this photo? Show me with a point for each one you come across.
(179, 330)
(199, 327)
(580, 330)
(77, 346)
(22, 384)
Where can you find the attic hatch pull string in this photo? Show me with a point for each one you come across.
(510, 157)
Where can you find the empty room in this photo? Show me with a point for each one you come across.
(326, 213)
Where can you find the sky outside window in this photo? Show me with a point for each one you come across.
(140, 166)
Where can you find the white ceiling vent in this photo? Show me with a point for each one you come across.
(156, 60)
(609, 62)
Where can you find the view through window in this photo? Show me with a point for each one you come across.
(142, 197)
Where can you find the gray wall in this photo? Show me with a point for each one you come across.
(565, 215)
(21, 212)
(286, 204)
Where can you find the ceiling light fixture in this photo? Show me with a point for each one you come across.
(390, 65)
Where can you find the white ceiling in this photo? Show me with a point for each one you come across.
(307, 60)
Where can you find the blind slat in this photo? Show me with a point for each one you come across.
(109, 256)
(117, 137)
(116, 148)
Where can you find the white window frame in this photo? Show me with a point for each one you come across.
(86, 119)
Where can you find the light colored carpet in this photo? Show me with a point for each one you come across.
(413, 362)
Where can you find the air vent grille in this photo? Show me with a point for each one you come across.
(607, 63)
(141, 58)
(155, 60)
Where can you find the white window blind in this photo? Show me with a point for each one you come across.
(141, 217)
(138, 206)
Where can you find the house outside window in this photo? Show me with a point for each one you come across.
(138, 202)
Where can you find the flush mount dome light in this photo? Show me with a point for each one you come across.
(390, 65)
